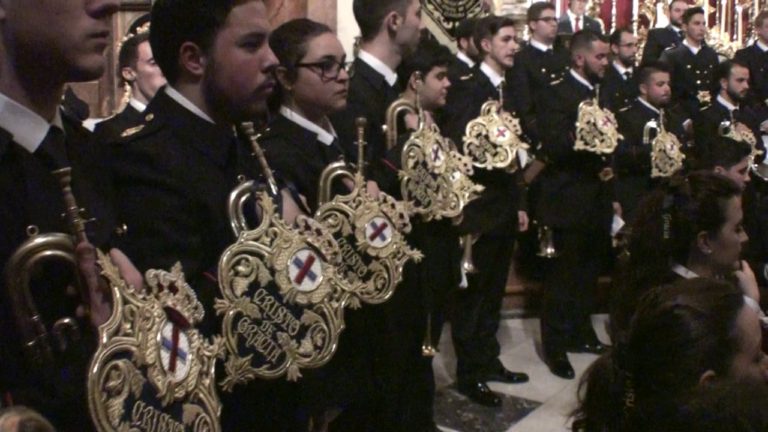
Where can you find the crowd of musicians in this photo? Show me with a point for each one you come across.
(155, 179)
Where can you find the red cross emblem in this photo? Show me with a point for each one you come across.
(174, 347)
(501, 132)
(305, 270)
(379, 232)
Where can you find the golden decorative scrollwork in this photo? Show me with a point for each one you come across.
(596, 129)
(666, 156)
(152, 367)
(283, 298)
(492, 140)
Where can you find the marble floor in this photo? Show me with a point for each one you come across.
(541, 405)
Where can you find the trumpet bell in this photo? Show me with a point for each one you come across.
(547, 243)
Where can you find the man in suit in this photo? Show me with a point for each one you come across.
(493, 219)
(692, 63)
(619, 86)
(660, 39)
(538, 64)
(141, 76)
(576, 202)
(174, 172)
(632, 160)
(466, 51)
(41, 49)
(756, 58)
(575, 19)
(732, 77)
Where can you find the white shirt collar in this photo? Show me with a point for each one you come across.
(651, 107)
(621, 69)
(683, 272)
(581, 79)
(495, 78)
(137, 105)
(465, 58)
(675, 28)
(323, 135)
(726, 104)
(694, 50)
(390, 76)
(539, 46)
(761, 45)
(27, 127)
(572, 18)
(186, 103)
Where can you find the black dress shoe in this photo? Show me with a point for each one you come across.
(507, 376)
(559, 365)
(480, 393)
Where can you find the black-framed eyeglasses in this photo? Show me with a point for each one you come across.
(328, 69)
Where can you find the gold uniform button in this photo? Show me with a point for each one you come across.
(149, 117)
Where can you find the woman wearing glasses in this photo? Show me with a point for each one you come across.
(313, 83)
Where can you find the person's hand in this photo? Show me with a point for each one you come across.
(617, 210)
(522, 221)
(291, 209)
(747, 281)
(99, 294)
(373, 189)
(411, 121)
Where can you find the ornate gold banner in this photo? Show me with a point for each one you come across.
(666, 154)
(447, 14)
(153, 371)
(283, 298)
(596, 129)
(492, 140)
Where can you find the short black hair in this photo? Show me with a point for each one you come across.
(671, 2)
(428, 55)
(534, 12)
(649, 68)
(690, 12)
(724, 152)
(487, 27)
(129, 54)
(175, 22)
(369, 14)
(466, 28)
(583, 39)
(723, 70)
(615, 38)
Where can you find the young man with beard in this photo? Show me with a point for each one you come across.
(45, 44)
(619, 87)
(466, 51)
(632, 160)
(692, 64)
(137, 71)
(493, 219)
(576, 203)
(729, 105)
(756, 58)
(174, 172)
(660, 39)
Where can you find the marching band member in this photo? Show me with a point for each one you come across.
(619, 87)
(576, 202)
(495, 217)
(41, 49)
(756, 59)
(661, 39)
(466, 51)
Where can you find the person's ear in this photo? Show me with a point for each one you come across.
(485, 44)
(192, 59)
(704, 243)
(128, 74)
(281, 73)
(393, 21)
(707, 377)
(719, 170)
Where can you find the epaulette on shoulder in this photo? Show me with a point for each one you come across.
(626, 108)
(466, 77)
(557, 81)
(147, 127)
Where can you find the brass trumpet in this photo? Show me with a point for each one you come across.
(666, 156)
(37, 248)
(547, 243)
(428, 349)
(249, 130)
(393, 112)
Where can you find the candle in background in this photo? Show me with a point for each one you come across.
(635, 17)
(739, 24)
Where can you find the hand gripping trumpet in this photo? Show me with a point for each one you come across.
(38, 248)
(666, 156)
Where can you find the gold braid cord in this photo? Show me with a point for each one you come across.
(596, 129)
(493, 139)
(370, 232)
(435, 178)
(152, 367)
(283, 298)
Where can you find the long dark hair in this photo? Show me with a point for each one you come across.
(665, 231)
(679, 332)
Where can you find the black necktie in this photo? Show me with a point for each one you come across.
(53, 151)
(628, 75)
(680, 34)
(735, 114)
(549, 51)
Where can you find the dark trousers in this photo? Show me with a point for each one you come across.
(477, 309)
(569, 288)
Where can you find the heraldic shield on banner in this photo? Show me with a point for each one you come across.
(493, 139)
(153, 370)
(283, 299)
(596, 128)
(447, 14)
